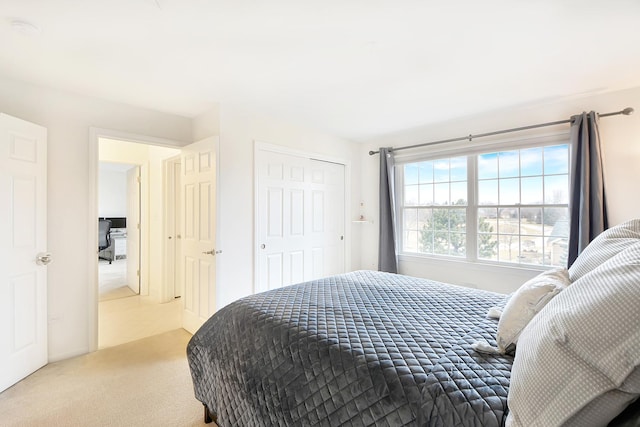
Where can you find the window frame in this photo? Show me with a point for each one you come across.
(471, 152)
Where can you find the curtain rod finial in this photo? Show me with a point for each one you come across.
(627, 111)
(371, 153)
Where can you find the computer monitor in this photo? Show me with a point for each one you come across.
(117, 222)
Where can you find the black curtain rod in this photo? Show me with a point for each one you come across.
(627, 111)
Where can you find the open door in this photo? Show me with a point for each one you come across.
(23, 246)
(198, 255)
(133, 229)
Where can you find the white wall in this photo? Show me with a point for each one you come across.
(238, 131)
(112, 193)
(207, 124)
(68, 118)
(621, 146)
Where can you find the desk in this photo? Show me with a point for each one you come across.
(119, 242)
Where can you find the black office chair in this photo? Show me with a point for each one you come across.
(104, 237)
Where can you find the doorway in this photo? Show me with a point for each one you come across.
(155, 309)
(119, 207)
(135, 211)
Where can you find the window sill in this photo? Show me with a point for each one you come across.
(477, 264)
(502, 278)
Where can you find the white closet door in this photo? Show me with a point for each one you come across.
(300, 219)
(328, 216)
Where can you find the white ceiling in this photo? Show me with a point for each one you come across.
(356, 69)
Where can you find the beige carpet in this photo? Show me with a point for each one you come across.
(142, 383)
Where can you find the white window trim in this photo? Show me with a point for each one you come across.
(464, 149)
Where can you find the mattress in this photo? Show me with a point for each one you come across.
(363, 348)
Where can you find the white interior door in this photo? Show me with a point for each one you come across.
(300, 216)
(173, 287)
(23, 245)
(198, 266)
(133, 229)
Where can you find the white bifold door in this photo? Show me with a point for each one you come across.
(23, 249)
(300, 219)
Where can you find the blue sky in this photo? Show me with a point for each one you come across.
(498, 178)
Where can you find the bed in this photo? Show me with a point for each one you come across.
(372, 348)
(356, 349)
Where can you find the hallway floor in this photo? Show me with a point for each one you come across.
(129, 319)
(112, 280)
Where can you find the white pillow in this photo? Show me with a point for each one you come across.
(579, 358)
(526, 302)
(605, 246)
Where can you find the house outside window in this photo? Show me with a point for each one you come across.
(497, 206)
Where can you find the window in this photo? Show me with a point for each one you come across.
(504, 206)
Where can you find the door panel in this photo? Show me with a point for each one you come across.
(190, 277)
(24, 289)
(317, 261)
(297, 213)
(296, 264)
(199, 232)
(206, 228)
(275, 214)
(23, 233)
(275, 266)
(300, 219)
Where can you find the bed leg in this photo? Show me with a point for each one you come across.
(208, 416)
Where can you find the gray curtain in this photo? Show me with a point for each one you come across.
(587, 204)
(387, 259)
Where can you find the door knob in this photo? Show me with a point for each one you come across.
(43, 258)
(211, 252)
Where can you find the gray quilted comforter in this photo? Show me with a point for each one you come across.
(363, 348)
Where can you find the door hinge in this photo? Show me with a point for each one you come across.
(138, 273)
(138, 179)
